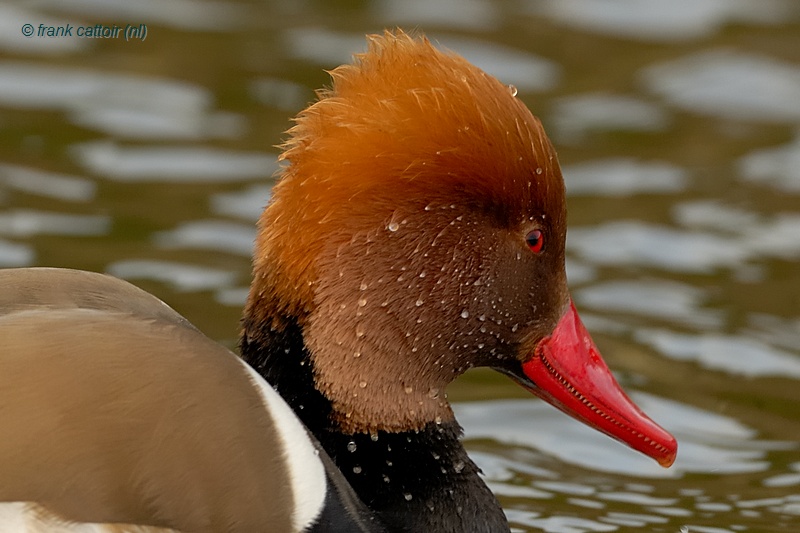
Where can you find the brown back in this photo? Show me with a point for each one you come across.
(113, 408)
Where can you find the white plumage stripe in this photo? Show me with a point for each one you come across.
(306, 472)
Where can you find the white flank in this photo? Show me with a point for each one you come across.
(30, 517)
(306, 472)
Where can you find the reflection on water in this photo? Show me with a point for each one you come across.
(730, 85)
(157, 163)
(623, 177)
(478, 15)
(630, 242)
(201, 15)
(53, 185)
(576, 116)
(655, 299)
(709, 442)
(117, 104)
(778, 166)
(738, 354)
(181, 276)
(210, 235)
(526, 71)
(246, 204)
(677, 127)
(661, 21)
(15, 255)
(26, 223)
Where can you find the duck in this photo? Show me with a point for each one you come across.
(417, 230)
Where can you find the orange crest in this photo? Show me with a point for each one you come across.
(405, 123)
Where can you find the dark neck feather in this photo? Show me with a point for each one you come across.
(414, 481)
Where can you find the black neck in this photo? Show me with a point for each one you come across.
(414, 481)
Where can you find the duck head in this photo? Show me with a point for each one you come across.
(418, 230)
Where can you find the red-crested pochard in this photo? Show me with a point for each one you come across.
(417, 231)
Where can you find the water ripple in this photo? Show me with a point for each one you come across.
(778, 167)
(118, 104)
(181, 276)
(668, 300)
(526, 71)
(634, 242)
(48, 184)
(654, 20)
(623, 177)
(205, 15)
(576, 116)
(29, 222)
(729, 84)
(701, 434)
(735, 354)
(215, 235)
(14, 254)
(172, 164)
(461, 14)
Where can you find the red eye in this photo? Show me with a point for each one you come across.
(535, 240)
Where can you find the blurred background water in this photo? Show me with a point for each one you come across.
(678, 128)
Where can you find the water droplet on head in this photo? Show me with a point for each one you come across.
(458, 466)
(363, 384)
(374, 437)
(409, 389)
(356, 354)
(538, 170)
(351, 446)
(393, 226)
(362, 302)
(512, 90)
(385, 478)
(360, 330)
(407, 496)
(464, 314)
(418, 303)
(356, 469)
(363, 286)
